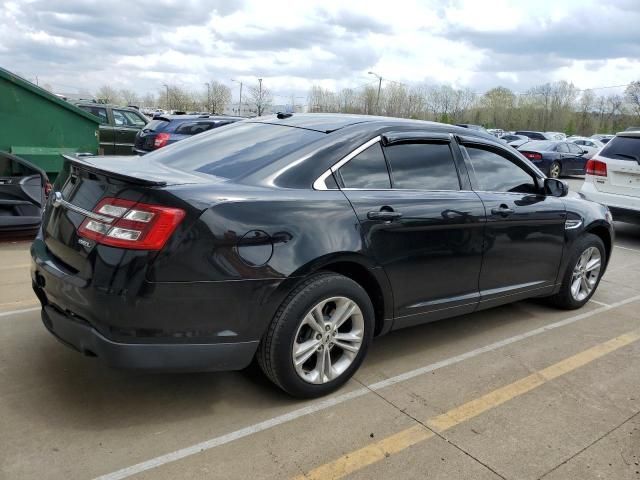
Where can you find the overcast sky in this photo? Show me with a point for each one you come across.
(141, 44)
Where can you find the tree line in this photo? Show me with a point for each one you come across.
(557, 106)
(214, 98)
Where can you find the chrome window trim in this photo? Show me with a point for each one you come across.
(58, 201)
(320, 184)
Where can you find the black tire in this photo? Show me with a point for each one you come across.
(564, 299)
(275, 350)
(555, 170)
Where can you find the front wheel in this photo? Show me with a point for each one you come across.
(584, 270)
(319, 336)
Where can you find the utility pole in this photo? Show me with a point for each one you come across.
(167, 87)
(379, 87)
(259, 97)
(208, 97)
(240, 100)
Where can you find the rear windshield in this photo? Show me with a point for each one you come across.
(622, 148)
(235, 150)
(540, 145)
(155, 125)
(532, 135)
(193, 128)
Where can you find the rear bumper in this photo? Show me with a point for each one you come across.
(624, 205)
(155, 357)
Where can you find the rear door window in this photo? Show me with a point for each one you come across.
(622, 148)
(367, 170)
(422, 166)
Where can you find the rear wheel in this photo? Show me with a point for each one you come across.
(583, 274)
(555, 169)
(319, 336)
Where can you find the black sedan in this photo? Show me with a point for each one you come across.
(556, 158)
(296, 239)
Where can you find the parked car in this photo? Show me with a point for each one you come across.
(533, 135)
(23, 189)
(168, 129)
(556, 135)
(118, 127)
(632, 129)
(613, 177)
(555, 158)
(471, 126)
(298, 238)
(514, 140)
(496, 132)
(603, 138)
(591, 145)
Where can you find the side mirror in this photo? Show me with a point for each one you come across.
(555, 187)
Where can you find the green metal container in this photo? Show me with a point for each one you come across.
(39, 127)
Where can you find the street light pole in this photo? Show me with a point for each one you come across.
(379, 86)
(240, 100)
(260, 97)
(208, 97)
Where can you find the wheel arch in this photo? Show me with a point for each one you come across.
(602, 232)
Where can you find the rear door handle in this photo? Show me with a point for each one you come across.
(502, 210)
(384, 215)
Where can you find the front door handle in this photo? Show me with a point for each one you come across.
(502, 210)
(384, 215)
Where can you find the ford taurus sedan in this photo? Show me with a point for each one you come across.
(296, 239)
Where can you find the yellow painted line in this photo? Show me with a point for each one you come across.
(374, 452)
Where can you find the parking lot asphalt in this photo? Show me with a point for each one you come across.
(522, 391)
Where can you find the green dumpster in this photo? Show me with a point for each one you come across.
(39, 127)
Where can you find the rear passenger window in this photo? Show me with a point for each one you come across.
(422, 166)
(366, 170)
(495, 173)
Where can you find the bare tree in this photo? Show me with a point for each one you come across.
(129, 97)
(260, 98)
(632, 96)
(107, 94)
(220, 97)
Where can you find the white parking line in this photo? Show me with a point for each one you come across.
(331, 402)
(599, 303)
(16, 312)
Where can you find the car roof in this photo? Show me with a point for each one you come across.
(330, 122)
(631, 133)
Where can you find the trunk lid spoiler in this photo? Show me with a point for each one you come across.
(136, 170)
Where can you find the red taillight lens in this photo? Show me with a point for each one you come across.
(532, 155)
(161, 140)
(128, 224)
(596, 167)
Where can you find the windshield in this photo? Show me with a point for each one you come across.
(235, 150)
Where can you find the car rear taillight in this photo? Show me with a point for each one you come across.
(127, 224)
(161, 140)
(596, 167)
(532, 155)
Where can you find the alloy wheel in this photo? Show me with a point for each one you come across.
(554, 171)
(328, 340)
(586, 274)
